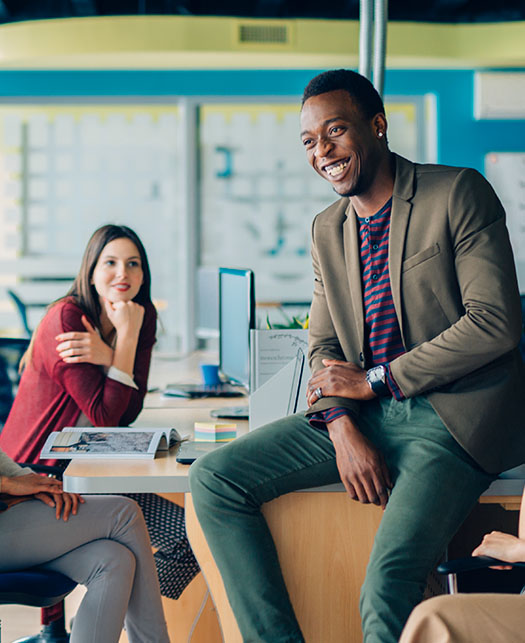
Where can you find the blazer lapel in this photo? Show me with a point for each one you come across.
(401, 207)
(353, 270)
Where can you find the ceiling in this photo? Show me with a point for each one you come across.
(443, 11)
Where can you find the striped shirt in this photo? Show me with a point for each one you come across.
(382, 333)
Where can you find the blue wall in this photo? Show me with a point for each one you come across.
(461, 139)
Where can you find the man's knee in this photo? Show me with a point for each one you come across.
(376, 584)
(201, 477)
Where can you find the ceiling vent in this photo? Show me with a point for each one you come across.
(257, 33)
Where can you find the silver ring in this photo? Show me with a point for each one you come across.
(318, 392)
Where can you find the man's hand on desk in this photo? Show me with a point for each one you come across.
(340, 379)
(361, 466)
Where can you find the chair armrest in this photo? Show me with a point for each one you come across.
(473, 562)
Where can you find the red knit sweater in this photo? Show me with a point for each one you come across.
(52, 393)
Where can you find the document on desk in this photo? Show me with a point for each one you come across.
(283, 394)
(108, 442)
(271, 350)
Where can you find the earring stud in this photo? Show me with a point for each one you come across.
(379, 134)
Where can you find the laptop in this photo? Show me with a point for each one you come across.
(190, 451)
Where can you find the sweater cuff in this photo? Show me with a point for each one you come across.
(116, 374)
(23, 471)
(320, 419)
(394, 389)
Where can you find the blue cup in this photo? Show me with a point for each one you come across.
(210, 374)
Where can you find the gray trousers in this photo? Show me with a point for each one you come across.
(104, 547)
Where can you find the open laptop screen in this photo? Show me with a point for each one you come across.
(236, 318)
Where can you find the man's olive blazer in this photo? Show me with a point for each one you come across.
(456, 297)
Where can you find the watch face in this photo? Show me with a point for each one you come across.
(377, 374)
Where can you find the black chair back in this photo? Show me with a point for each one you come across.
(11, 351)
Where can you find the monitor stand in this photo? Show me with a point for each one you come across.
(231, 412)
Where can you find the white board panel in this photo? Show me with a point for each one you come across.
(506, 173)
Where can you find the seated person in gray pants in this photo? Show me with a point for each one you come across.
(104, 547)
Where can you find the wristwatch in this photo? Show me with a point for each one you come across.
(376, 378)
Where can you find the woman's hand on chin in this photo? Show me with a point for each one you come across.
(126, 316)
(77, 347)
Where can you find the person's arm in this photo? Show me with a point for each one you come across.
(505, 546)
(76, 347)
(9, 468)
(21, 482)
(502, 546)
(102, 399)
(141, 367)
(361, 465)
(322, 340)
(486, 276)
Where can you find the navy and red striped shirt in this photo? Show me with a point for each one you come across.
(382, 333)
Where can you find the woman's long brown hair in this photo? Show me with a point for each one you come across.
(84, 292)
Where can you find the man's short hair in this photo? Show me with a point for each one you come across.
(360, 89)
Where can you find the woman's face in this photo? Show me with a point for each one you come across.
(118, 273)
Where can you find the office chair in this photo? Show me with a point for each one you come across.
(11, 350)
(22, 312)
(35, 587)
(38, 588)
(467, 568)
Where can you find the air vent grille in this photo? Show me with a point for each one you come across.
(261, 34)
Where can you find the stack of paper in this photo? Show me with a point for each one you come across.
(214, 432)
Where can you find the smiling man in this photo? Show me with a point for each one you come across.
(417, 396)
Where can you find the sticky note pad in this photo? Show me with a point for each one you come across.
(214, 432)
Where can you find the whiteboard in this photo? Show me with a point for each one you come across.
(506, 172)
(66, 170)
(258, 195)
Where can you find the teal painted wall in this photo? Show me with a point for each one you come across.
(461, 139)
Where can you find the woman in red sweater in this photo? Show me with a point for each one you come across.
(88, 364)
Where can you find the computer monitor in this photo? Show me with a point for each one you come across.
(236, 318)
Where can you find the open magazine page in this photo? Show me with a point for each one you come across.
(171, 436)
(114, 442)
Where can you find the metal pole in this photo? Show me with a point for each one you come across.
(365, 38)
(380, 25)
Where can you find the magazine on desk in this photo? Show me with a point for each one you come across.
(109, 442)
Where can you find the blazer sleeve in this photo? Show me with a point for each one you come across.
(104, 401)
(322, 339)
(490, 325)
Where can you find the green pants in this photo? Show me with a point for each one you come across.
(436, 483)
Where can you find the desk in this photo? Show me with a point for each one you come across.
(325, 601)
(160, 475)
(165, 476)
